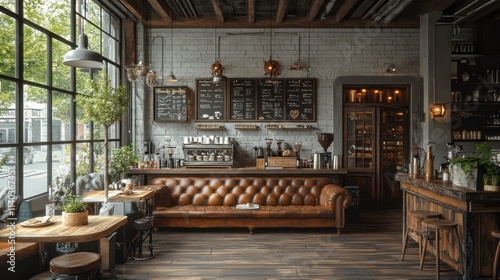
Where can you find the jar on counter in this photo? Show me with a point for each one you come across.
(227, 157)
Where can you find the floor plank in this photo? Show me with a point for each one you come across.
(369, 248)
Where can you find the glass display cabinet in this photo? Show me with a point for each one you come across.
(375, 141)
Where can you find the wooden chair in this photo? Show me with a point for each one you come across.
(414, 224)
(438, 225)
(80, 265)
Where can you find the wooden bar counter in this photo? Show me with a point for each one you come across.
(476, 212)
(150, 173)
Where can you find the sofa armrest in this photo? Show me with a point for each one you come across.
(162, 196)
(332, 194)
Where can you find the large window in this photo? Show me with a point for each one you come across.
(41, 134)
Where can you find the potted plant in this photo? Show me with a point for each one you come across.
(105, 105)
(491, 182)
(467, 170)
(121, 161)
(74, 211)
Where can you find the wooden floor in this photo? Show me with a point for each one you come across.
(369, 248)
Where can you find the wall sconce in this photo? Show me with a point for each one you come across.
(391, 69)
(438, 110)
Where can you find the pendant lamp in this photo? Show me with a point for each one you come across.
(82, 57)
(217, 67)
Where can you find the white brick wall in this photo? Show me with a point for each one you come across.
(329, 52)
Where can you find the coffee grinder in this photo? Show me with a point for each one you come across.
(325, 140)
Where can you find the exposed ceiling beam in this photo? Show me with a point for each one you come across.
(251, 11)
(314, 8)
(428, 6)
(373, 9)
(343, 10)
(134, 7)
(280, 11)
(217, 10)
(482, 11)
(162, 9)
(396, 11)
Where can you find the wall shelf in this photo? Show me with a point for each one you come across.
(288, 127)
(209, 127)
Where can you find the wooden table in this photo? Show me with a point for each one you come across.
(143, 195)
(99, 227)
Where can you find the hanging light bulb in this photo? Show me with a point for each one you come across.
(151, 78)
(217, 67)
(172, 78)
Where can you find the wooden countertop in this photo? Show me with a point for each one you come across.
(237, 171)
(447, 189)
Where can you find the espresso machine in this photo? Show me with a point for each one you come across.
(325, 140)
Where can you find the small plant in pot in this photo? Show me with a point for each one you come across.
(74, 211)
(491, 182)
(468, 171)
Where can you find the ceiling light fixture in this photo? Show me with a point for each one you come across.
(217, 67)
(171, 77)
(271, 67)
(391, 68)
(82, 57)
(138, 71)
(298, 65)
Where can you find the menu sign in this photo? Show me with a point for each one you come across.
(170, 104)
(210, 100)
(300, 96)
(242, 97)
(271, 99)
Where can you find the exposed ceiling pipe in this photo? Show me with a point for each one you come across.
(328, 8)
(471, 13)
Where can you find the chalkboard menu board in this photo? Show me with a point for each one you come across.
(210, 100)
(243, 99)
(170, 104)
(271, 99)
(300, 96)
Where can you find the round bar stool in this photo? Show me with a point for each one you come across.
(438, 225)
(496, 233)
(80, 265)
(415, 225)
(145, 228)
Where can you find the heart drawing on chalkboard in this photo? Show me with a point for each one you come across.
(294, 113)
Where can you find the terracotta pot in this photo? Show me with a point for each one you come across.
(75, 219)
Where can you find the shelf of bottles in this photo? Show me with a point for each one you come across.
(475, 113)
(393, 131)
(359, 137)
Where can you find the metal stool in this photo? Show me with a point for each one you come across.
(145, 228)
(415, 225)
(437, 225)
(80, 265)
(496, 233)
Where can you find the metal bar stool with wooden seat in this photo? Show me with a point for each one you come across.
(144, 226)
(80, 265)
(414, 224)
(496, 233)
(438, 225)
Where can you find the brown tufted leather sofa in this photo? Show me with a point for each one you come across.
(284, 202)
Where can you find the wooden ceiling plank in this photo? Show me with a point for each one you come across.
(280, 11)
(133, 7)
(362, 8)
(468, 6)
(251, 11)
(396, 11)
(162, 9)
(385, 10)
(314, 8)
(428, 6)
(373, 9)
(344, 10)
(218, 11)
(485, 11)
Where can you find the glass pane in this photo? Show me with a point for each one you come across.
(94, 35)
(82, 159)
(98, 131)
(61, 154)
(50, 14)
(82, 128)
(61, 74)
(35, 115)
(35, 171)
(7, 112)
(115, 27)
(94, 13)
(61, 116)
(7, 46)
(111, 48)
(82, 81)
(8, 169)
(35, 55)
(8, 4)
(99, 157)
